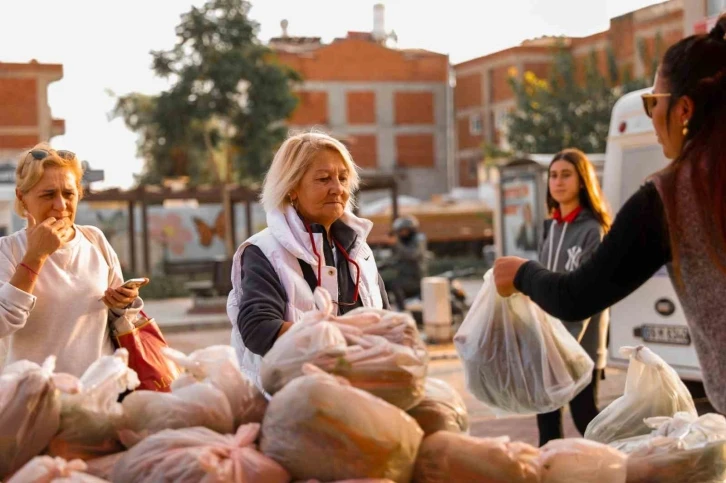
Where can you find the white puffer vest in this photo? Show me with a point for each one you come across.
(284, 242)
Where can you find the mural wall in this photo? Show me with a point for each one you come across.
(176, 233)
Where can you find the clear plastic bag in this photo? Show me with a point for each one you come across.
(318, 427)
(350, 346)
(217, 365)
(29, 410)
(447, 457)
(660, 463)
(684, 448)
(652, 388)
(89, 418)
(194, 455)
(196, 404)
(516, 357)
(442, 409)
(46, 469)
(578, 460)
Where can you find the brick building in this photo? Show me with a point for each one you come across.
(482, 97)
(25, 117)
(391, 106)
(25, 120)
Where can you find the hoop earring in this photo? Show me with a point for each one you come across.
(293, 203)
(685, 128)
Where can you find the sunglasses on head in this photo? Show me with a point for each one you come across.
(650, 100)
(40, 154)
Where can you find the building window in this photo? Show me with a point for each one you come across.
(475, 125)
(715, 7)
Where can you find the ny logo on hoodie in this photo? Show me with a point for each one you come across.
(574, 255)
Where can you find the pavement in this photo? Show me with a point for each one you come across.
(187, 333)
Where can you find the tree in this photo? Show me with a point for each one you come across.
(223, 115)
(561, 112)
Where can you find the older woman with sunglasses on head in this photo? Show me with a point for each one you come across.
(677, 218)
(312, 240)
(58, 292)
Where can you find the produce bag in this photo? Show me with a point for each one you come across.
(45, 469)
(578, 460)
(442, 409)
(684, 448)
(682, 431)
(196, 404)
(358, 347)
(447, 457)
(516, 357)
(194, 455)
(659, 462)
(217, 365)
(102, 467)
(29, 410)
(317, 427)
(88, 418)
(652, 388)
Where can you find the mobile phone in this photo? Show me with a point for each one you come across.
(135, 282)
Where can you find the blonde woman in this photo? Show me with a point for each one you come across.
(312, 240)
(57, 291)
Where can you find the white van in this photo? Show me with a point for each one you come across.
(652, 315)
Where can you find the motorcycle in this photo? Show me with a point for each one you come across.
(457, 297)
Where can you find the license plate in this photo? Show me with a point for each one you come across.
(665, 334)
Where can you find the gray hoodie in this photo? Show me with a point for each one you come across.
(564, 248)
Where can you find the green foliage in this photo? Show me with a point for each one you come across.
(222, 116)
(564, 111)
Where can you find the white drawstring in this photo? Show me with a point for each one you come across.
(559, 246)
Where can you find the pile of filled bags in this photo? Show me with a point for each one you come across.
(343, 399)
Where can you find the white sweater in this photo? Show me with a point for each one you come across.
(63, 316)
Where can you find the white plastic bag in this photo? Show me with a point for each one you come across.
(88, 419)
(45, 469)
(442, 409)
(29, 410)
(103, 467)
(194, 455)
(684, 448)
(659, 462)
(516, 357)
(217, 365)
(448, 457)
(317, 427)
(682, 431)
(578, 460)
(196, 404)
(652, 388)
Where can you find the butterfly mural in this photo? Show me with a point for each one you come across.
(207, 232)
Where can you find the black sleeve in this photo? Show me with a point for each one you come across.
(634, 249)
(384, 293)
(262, 303)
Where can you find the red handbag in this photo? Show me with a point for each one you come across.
(144, 344)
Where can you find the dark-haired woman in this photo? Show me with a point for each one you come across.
(578, 220)
(677, 218)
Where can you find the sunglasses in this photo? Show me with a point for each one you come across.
(40, 154)
(650, 100)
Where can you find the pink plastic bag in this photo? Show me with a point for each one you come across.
(217, 365)
(45, 469)
(318, 427)
(29, 410)
(197, 455)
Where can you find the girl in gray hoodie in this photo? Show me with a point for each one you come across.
(579, 219)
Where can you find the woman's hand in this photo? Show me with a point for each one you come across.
(120, 298)
(46, 237)
(505, 269)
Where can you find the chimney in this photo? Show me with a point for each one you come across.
(379, 26)
(284, 24)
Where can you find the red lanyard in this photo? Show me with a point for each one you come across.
(345, 255)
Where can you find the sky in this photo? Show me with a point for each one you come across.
(106, 51)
